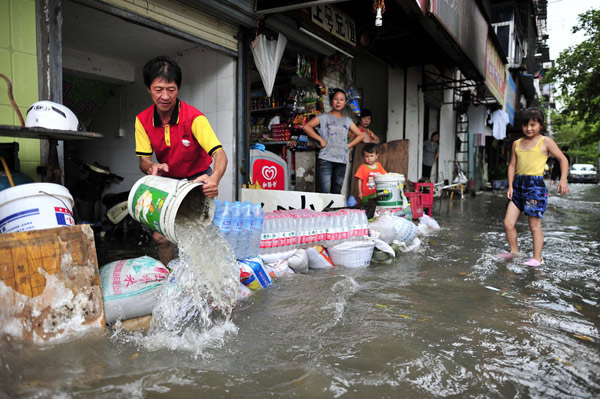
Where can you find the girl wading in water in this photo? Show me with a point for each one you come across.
(526, 189)
(333, 138)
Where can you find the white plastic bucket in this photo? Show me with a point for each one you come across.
(389, 189)
(35, 206)
(161, 202)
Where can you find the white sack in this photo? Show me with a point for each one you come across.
(318, 258)
(352, 253)
(130, 287)
(298, 262)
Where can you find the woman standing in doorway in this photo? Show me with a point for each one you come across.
(363, 125)
(333, 138)
(431, 151)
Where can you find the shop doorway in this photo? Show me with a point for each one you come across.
(431, 123)
(103, 57)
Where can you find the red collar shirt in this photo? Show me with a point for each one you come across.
(186, 143)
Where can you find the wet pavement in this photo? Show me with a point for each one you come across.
(451, 320)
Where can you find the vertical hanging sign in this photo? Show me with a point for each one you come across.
(334, 21)
(495, 74)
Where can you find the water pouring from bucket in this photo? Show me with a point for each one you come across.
(202, 288)
(161, 203)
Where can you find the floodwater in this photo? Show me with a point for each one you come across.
(449, 321)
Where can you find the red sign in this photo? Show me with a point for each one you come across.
(270, 175)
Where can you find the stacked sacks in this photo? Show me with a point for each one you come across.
(393, 232)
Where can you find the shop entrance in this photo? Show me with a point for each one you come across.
(103, 57)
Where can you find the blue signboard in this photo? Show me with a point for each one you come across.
(510, 98)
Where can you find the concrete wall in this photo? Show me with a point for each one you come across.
(18, 61)
(407, 123)
(372, 78)
(447, 137)
(208, 84)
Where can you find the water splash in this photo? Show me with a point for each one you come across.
(195, 306)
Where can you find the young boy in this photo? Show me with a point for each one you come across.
(367, 171)
(526, 189)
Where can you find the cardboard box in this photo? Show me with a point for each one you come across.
(50, 283)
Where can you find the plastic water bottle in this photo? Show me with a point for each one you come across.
(226, 220)
(258, 216)
(244, 240)
(237, 227)
(265, 238)
(364, 224)
(218, 216)
(345, 226)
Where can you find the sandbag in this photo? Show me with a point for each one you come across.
(427, 225)
(384, 225)
(274, 257)
(382, 251)
(352, 253)
(255, 266)
(318, 258)
(298, 262)
(406, 231)
(130, 287)
(278, 269)
(403, 247)
(244, 292)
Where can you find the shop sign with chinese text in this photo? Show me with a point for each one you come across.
(495, 73)
(334, 21)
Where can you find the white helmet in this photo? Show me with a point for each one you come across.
(51, 115)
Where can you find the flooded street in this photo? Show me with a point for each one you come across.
(451, 320)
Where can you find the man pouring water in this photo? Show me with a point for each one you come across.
(181, 137)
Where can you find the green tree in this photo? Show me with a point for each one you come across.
(574, 133)
(577, 76)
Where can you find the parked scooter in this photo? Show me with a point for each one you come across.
(87, 192)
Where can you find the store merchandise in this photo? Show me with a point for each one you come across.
(303, 228)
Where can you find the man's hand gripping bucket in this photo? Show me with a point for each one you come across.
(162, 203)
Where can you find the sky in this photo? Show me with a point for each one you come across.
(562, 16)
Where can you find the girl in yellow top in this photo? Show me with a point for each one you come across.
(526, 189)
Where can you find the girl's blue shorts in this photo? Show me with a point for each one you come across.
(530, 195)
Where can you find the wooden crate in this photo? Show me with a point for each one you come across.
(67, 255)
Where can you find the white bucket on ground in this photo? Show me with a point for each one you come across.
(35, 206)
(161, 203)
(389, 189)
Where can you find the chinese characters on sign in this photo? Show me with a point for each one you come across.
(335, 22)
(495, 76)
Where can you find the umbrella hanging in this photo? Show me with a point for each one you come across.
(267, 56)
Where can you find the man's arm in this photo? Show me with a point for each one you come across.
(211, 183)
(150, 168)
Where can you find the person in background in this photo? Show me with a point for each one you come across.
(526, 189)
(556, 172)
(181, 137)
(363, 125)
(431, 152)
(333, 138)
(367, 172)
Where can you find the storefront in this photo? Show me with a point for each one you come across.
(313, 63)
(103, 47)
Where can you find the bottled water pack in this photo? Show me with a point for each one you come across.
(303, 228)
(241, 224)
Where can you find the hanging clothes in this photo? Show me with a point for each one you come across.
(499, 120)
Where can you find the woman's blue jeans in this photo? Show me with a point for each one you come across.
(330, 177)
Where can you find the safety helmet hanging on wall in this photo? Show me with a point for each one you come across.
(51, 115)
